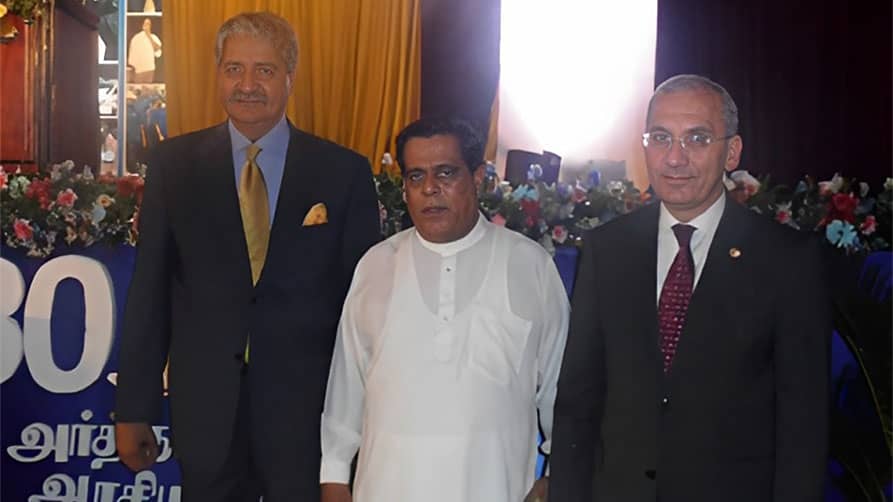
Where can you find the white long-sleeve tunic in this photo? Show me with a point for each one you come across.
(444, 355)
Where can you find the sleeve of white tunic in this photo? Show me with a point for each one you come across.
(341, 425)
(544, 302)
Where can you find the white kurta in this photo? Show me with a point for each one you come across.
(444, 355)
(142, 53)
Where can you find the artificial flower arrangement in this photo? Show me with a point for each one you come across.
(844, 210)
(44, 211)
(63, 206)
(558, 214)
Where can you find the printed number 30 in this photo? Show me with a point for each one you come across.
(35, 341)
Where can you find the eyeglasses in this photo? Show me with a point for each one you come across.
(692, 142)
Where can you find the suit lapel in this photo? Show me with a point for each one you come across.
(214, 167)
(643, 282)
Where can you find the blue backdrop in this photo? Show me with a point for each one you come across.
(62, 444)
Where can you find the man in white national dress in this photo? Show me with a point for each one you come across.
(450, 341)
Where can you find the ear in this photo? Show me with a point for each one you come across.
(733, 153)
(479, 173)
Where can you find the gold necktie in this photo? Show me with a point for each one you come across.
(254, 205)
(255, 209)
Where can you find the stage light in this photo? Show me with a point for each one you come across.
(572, 72)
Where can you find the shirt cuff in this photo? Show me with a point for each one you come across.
(334, 471)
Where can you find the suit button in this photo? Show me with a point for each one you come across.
(650, 474)
(665, 402)
(239, 356)
(254, 300)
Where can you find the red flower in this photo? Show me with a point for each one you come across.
(3, 179)
(841, 207)
(39, 190)
(66, 198)
(531, 208)
(869, 225)
(28, 169)
(131, 185)
(23, 230)
(783, 216)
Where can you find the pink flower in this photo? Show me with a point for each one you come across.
(3, 180)
(23, 230)
(578, 194)
(498, 220)
(869, 225)
(66, 198)
(559, 234)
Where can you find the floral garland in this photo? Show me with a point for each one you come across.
(41, 211)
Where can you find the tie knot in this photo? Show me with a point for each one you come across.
(683, 234)
(253, 150)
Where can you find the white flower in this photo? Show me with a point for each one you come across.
(18, 186)
(832, 186)
(863, 189)
(745, 180)
(888, 185)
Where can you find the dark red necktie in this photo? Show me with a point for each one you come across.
(675, 295)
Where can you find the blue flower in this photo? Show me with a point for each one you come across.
(841, 234)
(525, 192)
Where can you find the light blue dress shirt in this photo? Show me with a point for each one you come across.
(271, 159)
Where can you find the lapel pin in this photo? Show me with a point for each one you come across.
(735, 253)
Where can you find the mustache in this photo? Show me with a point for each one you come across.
(248, 96)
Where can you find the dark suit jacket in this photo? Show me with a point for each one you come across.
(191, 298)
(742, 415)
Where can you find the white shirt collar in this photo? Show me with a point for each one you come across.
(454, 247)
(704, 223)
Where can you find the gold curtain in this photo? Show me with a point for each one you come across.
(358, 80)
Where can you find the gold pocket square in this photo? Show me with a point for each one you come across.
(317, 215)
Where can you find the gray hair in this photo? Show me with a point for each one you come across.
(263, 25)
(699, 83)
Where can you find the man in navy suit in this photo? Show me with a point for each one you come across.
(249, 235)
(696, 367)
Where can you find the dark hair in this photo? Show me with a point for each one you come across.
(471, 143)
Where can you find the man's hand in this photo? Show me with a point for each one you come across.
(539, 492)
(136, 443)
(334, 492)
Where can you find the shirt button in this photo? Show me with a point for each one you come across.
(665, 401)
(449, 269)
